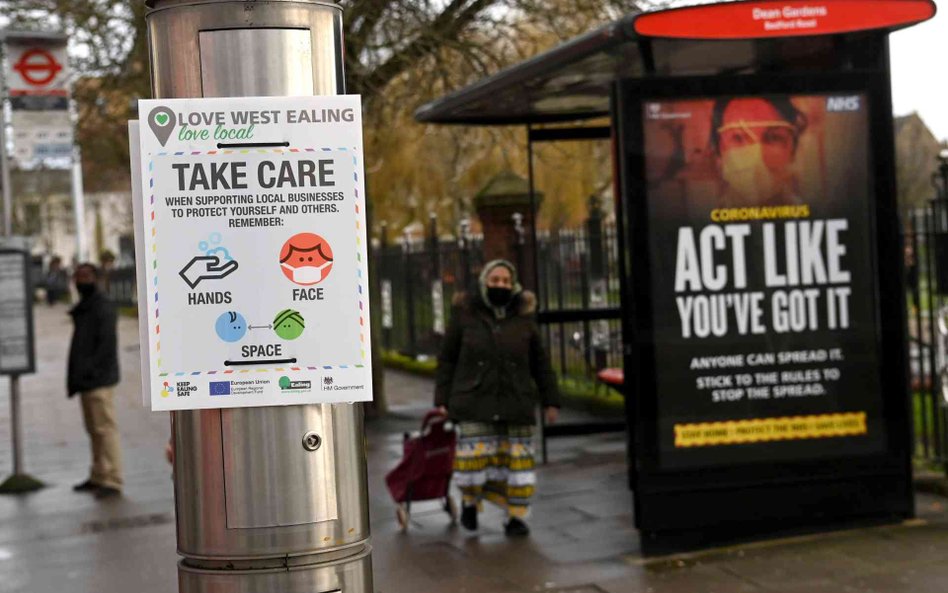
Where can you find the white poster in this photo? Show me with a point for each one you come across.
(15, 335)
(253, 220)
(41, 139)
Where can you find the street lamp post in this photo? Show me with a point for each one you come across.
(272, 498)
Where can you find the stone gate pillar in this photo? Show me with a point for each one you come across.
(499, 205)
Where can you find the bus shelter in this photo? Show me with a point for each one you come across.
(763, 310)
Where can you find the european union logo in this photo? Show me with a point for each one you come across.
(220, 388)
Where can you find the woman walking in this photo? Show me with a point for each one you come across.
(492, 373)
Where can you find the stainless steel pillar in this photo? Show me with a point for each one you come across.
(260, 507)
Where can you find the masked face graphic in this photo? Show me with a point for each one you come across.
(757, 151)
(746, 174)
(306, 259)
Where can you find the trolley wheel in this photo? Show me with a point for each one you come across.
(452, 508)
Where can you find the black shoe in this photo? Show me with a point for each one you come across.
(107, 492)
(469, 517)
(87, 486)
(516, 527)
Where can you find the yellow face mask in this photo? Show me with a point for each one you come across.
(746, 174)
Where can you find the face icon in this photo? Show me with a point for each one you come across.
(231, 326)
(757, 146)
(288, 324)
(306, 259)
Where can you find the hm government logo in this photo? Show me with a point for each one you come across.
(161, 120)
(287, 385)
(327, 381)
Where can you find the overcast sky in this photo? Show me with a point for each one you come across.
(920, 71)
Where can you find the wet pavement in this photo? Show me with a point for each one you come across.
(583, 538)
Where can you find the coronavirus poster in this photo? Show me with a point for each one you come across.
(763, 294)
(252, 224)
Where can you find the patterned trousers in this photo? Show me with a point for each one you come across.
(494, 461)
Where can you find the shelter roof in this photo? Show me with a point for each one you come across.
(574, 80)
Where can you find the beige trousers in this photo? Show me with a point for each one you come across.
(98, 413)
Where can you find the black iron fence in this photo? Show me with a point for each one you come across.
(417, 282)
(120, 285)
(926, 259)
(578, 273)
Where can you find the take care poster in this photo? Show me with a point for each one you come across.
(252, 224)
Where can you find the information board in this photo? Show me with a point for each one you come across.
(253, 227)
(763, 293)
(16, 314)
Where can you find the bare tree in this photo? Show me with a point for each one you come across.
(443, 44)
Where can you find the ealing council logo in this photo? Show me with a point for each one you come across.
(166, 389)
(287, 385)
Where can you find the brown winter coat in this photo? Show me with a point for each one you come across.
(493, 369)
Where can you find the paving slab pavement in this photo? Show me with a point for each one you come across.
(583, 538)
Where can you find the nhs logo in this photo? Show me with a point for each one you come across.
(837, 104)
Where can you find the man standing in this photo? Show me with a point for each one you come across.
(93, 372)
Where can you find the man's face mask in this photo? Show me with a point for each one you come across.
(85, 288)
(744, 171)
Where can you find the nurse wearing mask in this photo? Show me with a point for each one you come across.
(493, 372)
(755, 141)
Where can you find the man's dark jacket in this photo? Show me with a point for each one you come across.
(93, 353)
(493, 369)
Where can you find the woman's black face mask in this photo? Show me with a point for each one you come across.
(498, 295)
(85, 288)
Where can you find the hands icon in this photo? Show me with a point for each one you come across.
(206, 267)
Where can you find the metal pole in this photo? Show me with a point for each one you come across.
(79, 206)
(262, 504)
(15, 421)
(409, 294)
(534, 259)
(8, 232)
(5, 175)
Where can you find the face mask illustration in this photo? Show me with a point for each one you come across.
(308, 274)
(744, 171)
(307, 265)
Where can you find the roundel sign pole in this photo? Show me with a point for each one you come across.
(36, 75)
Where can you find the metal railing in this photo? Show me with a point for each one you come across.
(926, 265)
(578, 272)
